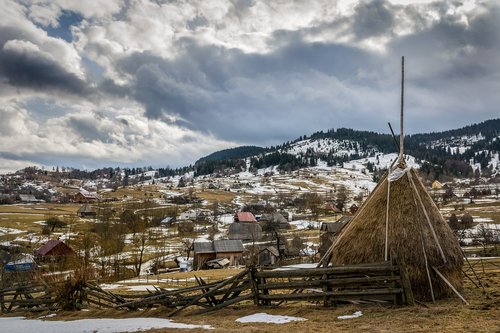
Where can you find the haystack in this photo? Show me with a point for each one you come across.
(413, 229)
(400, 221)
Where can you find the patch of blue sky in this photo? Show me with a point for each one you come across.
(43, 109)
(66, 20)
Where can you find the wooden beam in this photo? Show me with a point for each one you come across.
(344, 282)
(341, 293)
(450, 285)
(226, 303)
(306, 272)
(401, 133)
(405, 283)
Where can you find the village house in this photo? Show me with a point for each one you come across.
(54, 248)
(245, 227)
(217, 249)
(193, 214)
(84, 196)
(275, 219)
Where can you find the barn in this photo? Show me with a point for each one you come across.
(217, 249)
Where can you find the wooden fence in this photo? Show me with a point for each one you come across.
(379, 282)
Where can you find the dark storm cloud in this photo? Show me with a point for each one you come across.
(238, 95)
(25, 70)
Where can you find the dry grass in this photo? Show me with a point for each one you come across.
(134, 192)
(212, 196)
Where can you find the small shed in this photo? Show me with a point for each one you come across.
(54, 248)
(218, 263)
(86, 211)
(268, 256)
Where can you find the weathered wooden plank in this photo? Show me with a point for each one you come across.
(321, 295)
(309, 272)
(254, 286)
(344, 282)
(210, 299)
(226, 303)
(31, 302)
(406, 285)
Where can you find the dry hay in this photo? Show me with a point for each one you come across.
(363, 239)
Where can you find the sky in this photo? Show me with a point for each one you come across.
(159, 83)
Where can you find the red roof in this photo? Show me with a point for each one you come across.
(54, 247)
(245, 217)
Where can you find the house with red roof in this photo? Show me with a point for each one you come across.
(54, 248)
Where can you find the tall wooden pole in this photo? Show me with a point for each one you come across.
(401, 135)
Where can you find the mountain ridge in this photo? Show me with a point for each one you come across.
(457, 152)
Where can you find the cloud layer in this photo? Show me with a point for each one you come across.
(89, 84)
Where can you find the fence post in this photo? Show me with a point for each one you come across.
(254, 285)
(405, 283)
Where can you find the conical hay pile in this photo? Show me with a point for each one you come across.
(409, 233)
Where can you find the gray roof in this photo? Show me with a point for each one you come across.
(335, 227)
(274, 217)
(204, 247)
(228, 245)
(219, 246)
(86, 209)
(272, 250)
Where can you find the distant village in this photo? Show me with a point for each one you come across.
(181, 223)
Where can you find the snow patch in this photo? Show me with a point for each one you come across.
(267, 318)
(356, 314)
(20, 324)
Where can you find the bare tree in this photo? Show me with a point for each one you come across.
(188, 246)
(139, 244)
